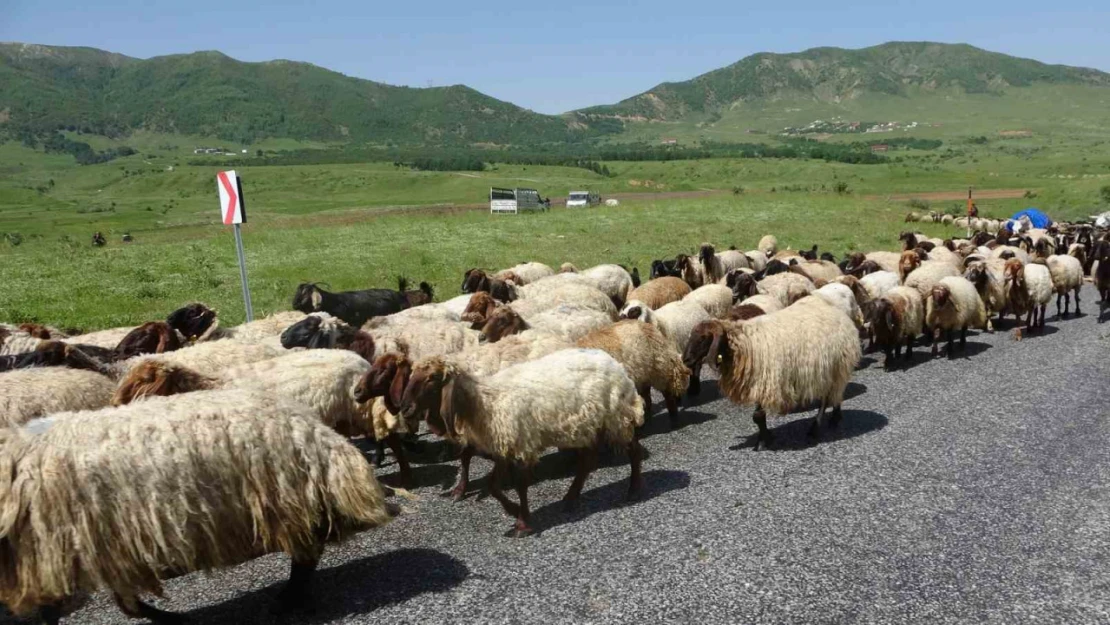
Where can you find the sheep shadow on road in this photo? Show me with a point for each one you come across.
(656, 482)
(794, 435)
(355, 587)
(660, 423)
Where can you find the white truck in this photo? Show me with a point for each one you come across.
(515, 200)
(579, 199)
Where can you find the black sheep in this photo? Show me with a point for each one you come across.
(353, 307)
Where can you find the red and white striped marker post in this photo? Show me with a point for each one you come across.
(235, 213)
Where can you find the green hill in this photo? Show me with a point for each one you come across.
(836, 75)
(210, 94)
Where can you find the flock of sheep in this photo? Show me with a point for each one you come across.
(132, 455)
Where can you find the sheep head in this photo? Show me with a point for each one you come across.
(431, 389)
(568, 268)
(503, 322)
(709, 341)
(307, 298)
(941, 296)
(473, 281)
(977, 274)
(153, 337)
(810, 254)
(706, 254)
(907, 263)
(908, 239)
(775, 266)
(1015, 272)
(153, 378)
(192, 320)
(307, 332)
(884, 321)
(478, 309)
(387, 378)
(36, 330)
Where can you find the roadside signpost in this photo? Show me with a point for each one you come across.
(235, 213)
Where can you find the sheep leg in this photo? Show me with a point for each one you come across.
(1059, 296)
(1040, 324)
(636, 460)
(963, 338)
(50, 614)
(459, 490)
(948, 343)
(1077, 313)
(695, 383)
(586, 461)
(909, 351)
(645, 394)
(936, 335)
(672, 409)
(379, 453)
(520, 480)
(836, 417)
(394, 442)
(499, 471)
(297, 594)
(815, 427)
(888, 360)
(133, 607)
(764, 436)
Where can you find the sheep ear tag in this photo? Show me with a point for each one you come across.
(714, 355)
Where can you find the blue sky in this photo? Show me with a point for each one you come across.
(555, 56)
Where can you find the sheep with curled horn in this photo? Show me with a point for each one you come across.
(173, 470)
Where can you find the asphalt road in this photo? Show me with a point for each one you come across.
(975, 489)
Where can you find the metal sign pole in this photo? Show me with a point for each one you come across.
(243, 274)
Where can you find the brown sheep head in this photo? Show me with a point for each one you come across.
(474, 280)
(387, 378)
(980, 238)
(884, 322)
(950, 244)
(708, 343)
(907, 263)
(503, 322)
(1015, 272)
(941, 296)
(479, 308)
(153, 337)
(152, 378)
(36, 330)
(431, 390)
(855, 259)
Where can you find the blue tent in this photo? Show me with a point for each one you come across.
(1036, 217)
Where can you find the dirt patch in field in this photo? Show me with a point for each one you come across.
(941, 196)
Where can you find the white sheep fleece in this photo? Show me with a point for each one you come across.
(569, 399)
(880, 282)
(27, 394)
(1066, 272)
(1019, 253)
(676, 320)
(909, 301)
(489, 358)
(887, 261)
(581, 294)
(767, 303)
(108, 339)
(457, 305)
(258, 330)
(926, 276)
(569, 321)
(423, 338)
(1038, 282)
(210, 358)
(769, 245)
(840, 296)
(716, 299)
(787, 287)
(527, 272)
(965, 308)
(611, 280)
(758, 259)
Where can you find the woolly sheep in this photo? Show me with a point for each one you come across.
(897, 317)
(612, 280)
(1028, 289)
(567, 321)
(457, 305)
(650, 359)
(1067, 275)
(526, 273)
(259, 330)
(572, 399)
(781, 361)
(659, 292)
(787, 287)
(715, 265)
(322, 331)
(580, 294)
(840, 296)
(757, 259)
(691, 270)
(15, 343)
(888, 261)
(1002, 251)
(716, 299)
(27, 394)
(988, 278)
(953, 303)
(174, 471)
(878, 283)
(754, 306)
(925, 277)
(207, 358)
(769, 245)
(676, 321)
(818, 270)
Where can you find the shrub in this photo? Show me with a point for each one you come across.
(841, 188)
(919, 204)
(738, 190)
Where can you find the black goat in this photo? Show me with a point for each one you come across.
(55, 354)
(353, 307)
(810, 254)
(417, 297)
(664, 268)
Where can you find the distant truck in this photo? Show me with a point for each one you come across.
(579, 199)
(515, 200)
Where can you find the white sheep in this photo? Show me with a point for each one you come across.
(715, 265)
(256, 331)
(124, 498)
(840, 296)
(1067, 275)
(716, 299)
(953, 304)
(759, 304)
(769, 245)
(1028, 289)
(16, 343)
(525, 273)
(566, 321)
(27, 394)
(572, 399)
(209, 358)
(757, 259)
(925, 277)
(878, 283)
(675, 320)
(1002, 251)
(816, 270)
(787, 287)
(457, 305)
(887, 261)
(582, 294)
(782, 361)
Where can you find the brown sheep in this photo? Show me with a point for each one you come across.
(479, 308)
(660, 292)
(153, 337)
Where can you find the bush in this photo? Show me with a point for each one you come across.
(919, 204)
(1029, 195)
(738, 190)
(13, 238)
(841, 188)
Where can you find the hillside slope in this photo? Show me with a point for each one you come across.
(836, 75)
(208, 93)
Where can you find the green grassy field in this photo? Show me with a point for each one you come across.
(353, 227)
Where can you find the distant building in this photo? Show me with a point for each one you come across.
(879, 147)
